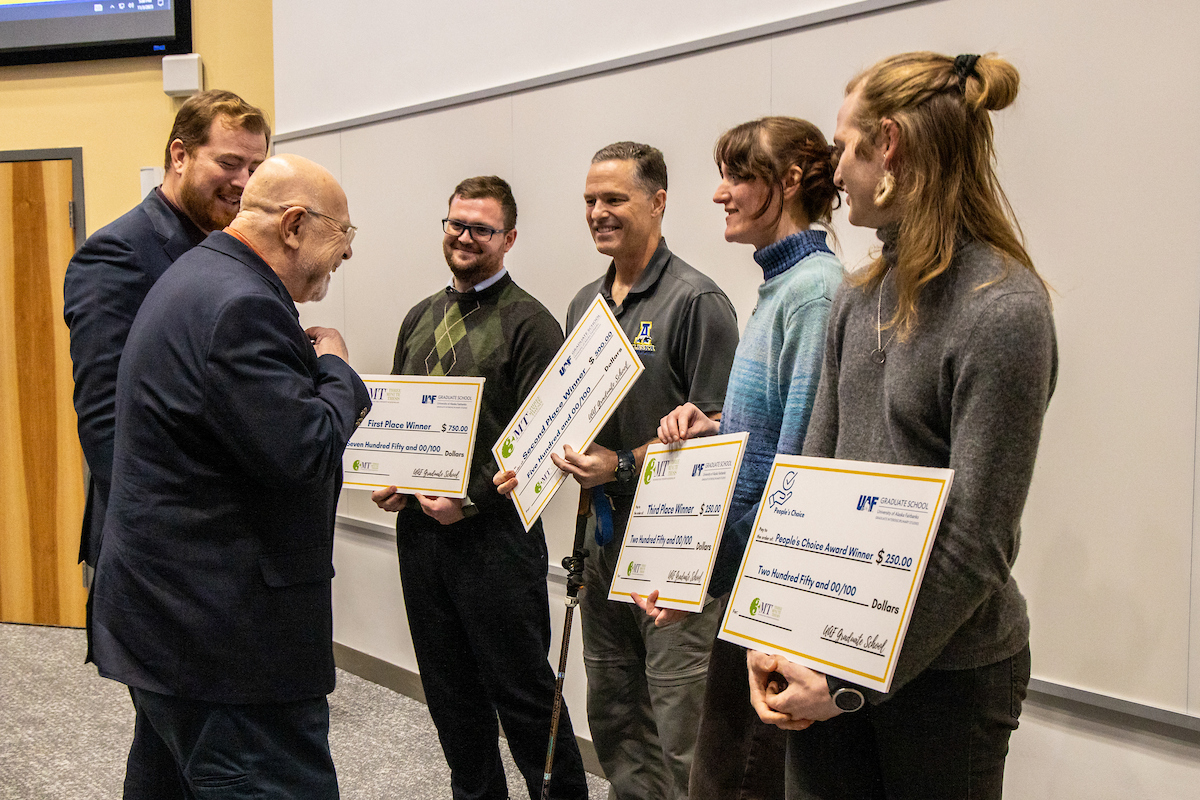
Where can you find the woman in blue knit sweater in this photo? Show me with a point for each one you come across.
(776, 182)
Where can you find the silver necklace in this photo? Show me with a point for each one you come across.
(877, 355)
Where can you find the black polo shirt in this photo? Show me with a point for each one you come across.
(684, 330)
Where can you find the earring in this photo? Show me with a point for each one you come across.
(885, 189)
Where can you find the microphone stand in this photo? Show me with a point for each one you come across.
(573, 564)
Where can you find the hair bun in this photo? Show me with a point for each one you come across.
(995, 85)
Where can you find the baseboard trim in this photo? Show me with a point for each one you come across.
(408, 683)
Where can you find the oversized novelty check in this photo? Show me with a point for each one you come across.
(418, 437)
(834, 564)
(678, 515)
(570, 403)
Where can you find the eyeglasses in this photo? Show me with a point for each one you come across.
(480, 233)
(347, 231)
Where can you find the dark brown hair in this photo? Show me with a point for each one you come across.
(765, 149)
(196, 115)
(489, 186)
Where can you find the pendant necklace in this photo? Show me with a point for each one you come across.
(877, 355)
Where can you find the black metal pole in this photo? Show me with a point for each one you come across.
(573, 564)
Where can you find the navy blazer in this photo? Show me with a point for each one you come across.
(106, 282)
(214, 579)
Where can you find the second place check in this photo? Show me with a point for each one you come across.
(572, 400)
(418, 437)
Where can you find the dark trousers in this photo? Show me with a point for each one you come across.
(944, 735)
(275, 751)
(475, 594)
(738, 756)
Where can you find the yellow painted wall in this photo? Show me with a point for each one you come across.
(115, 109)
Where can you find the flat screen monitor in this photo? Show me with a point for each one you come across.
(45, 31)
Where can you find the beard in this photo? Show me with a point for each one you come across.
(209, 213)
(480, 267)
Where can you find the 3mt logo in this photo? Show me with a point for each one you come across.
(759, 608)
(635, 568)
(867, 502)
(506, 449)
(649, 473)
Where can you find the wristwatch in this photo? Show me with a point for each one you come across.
(845, 696)
(626, 469)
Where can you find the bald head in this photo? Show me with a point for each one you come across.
(292, 180)
(295, 215)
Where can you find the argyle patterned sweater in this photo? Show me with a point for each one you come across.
(501, 334)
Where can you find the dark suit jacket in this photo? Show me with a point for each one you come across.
(106, 282)
(214, 579)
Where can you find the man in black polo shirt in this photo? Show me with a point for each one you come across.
(645, 683)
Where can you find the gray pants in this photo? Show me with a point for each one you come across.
(645, 685)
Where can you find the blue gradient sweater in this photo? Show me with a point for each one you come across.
(774, 376)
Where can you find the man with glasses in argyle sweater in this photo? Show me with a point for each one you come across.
(474, 579)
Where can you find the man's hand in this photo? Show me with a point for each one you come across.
(505, 481)
(662, 616)
(389, 499)
(591, 468)
(795, 706)
(446, 510)
(327, 341)
(687, 422)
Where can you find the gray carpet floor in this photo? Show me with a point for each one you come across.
(65, 731)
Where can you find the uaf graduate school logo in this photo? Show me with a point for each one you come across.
(644, 342)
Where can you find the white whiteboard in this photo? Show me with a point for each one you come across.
(1097, 159)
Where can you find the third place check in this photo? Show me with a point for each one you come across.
(678, 514)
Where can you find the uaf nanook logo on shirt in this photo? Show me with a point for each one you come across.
(644, 341)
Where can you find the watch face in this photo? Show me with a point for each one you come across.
(848, 700)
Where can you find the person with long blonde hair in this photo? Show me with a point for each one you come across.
(940, 353)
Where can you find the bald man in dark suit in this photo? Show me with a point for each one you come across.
(212, 596)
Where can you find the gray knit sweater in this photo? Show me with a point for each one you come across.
(967, 390)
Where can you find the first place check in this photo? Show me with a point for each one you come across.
(576, 395)
(834, 563)
(419, 436)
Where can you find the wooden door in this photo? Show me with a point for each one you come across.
(41, 464)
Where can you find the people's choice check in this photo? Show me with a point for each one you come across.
(418, 437)
(678, 515)
(834, 563)
(572, 400)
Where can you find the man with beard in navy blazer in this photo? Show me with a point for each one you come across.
(212, 597)
(216, 143)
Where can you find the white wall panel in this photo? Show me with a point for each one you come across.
(350, 59)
